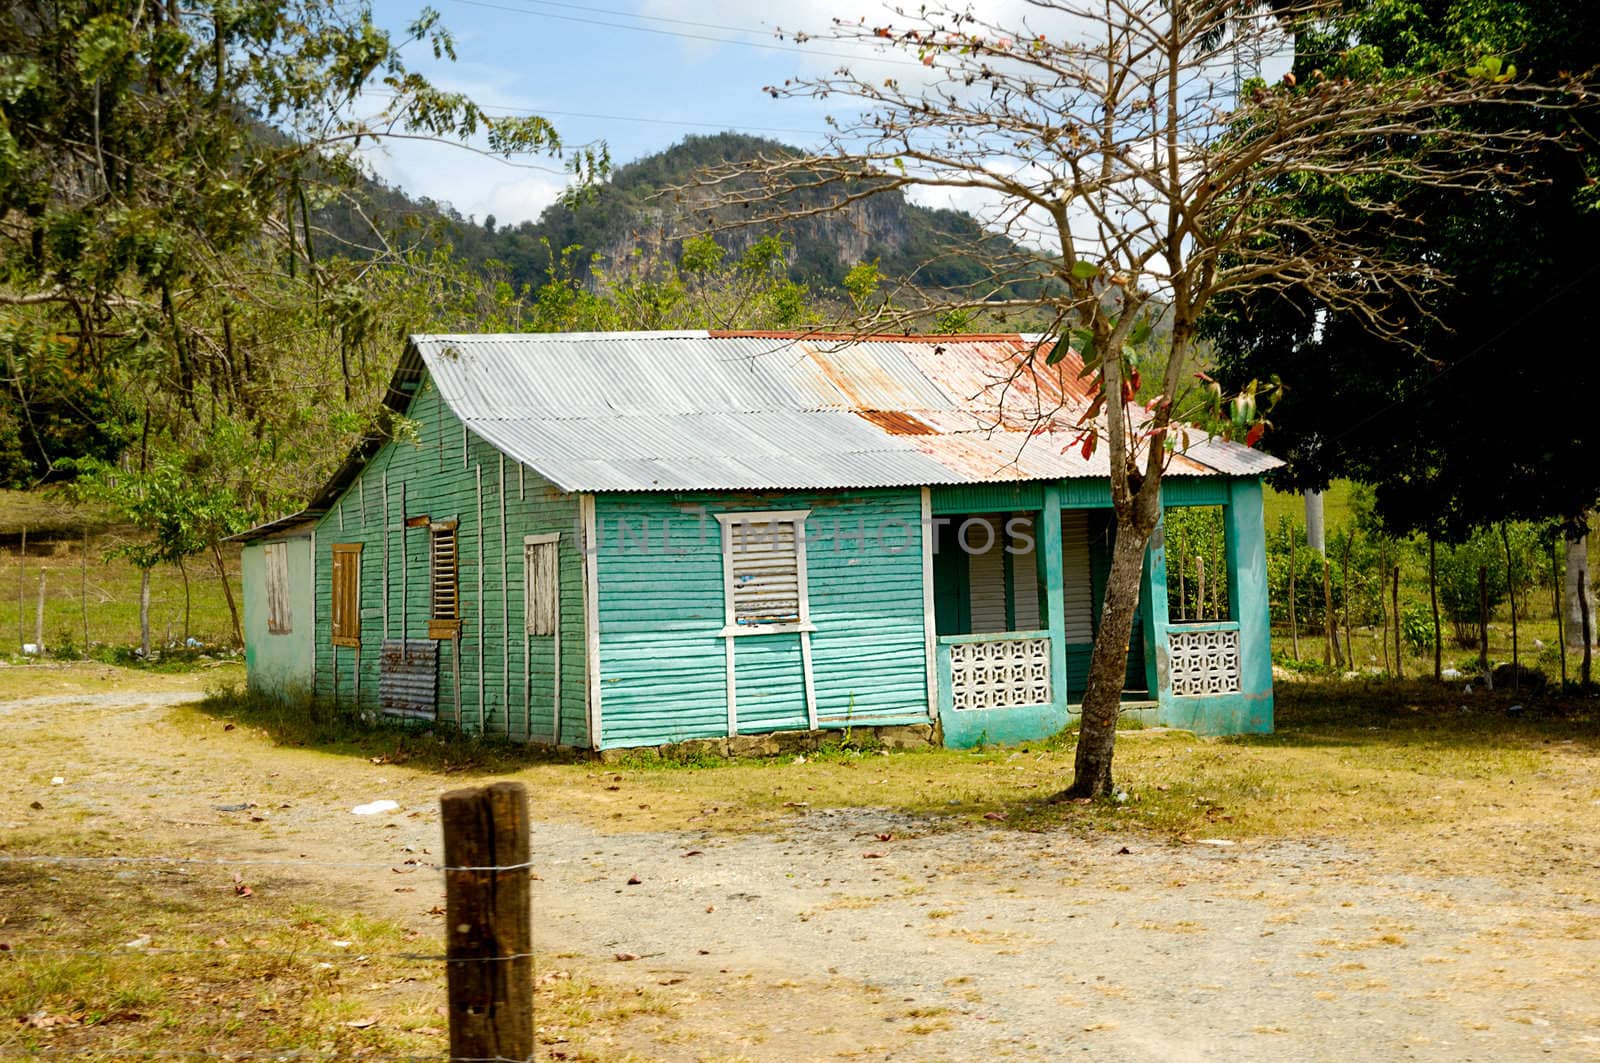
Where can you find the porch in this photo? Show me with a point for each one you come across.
(1018, 577)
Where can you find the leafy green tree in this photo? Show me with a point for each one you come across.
(1474, 405)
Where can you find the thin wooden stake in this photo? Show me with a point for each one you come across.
(22, 592)
(1561, 635)
(1344, 596)
(1511, 589)
(1200, 579)
(1329, 640)
(488, 939)
(83, 589)
(1294, 625)
(1483, 625)
(1433, 596)
(1583, 616)
(38, 617)
(1399, 656)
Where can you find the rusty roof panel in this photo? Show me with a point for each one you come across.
(645, 411)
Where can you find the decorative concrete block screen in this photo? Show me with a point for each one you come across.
(1003, 674)
(1204, 662)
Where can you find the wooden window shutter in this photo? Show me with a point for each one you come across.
(276, 557)
(444, 617)
(543, 590)
(765, 569)
(346, 594)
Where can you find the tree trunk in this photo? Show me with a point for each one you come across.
(227, 592)
(144, 613)
(1577, 564)
(1108, 665)
(1433, 596)
(1200, 585)
(1316, 527)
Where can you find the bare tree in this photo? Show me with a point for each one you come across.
(1140, 175)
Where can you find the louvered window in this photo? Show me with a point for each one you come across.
(444, 616)
(543, 590)
(276, 556)
(764, 564)
(346, 594)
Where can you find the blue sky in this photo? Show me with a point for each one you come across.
(639, 91)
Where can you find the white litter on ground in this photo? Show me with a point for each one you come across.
(374, 807)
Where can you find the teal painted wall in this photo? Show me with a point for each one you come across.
(279, 664)
(438, 473)
(663, 665)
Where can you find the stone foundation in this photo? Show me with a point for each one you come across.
(788, 743)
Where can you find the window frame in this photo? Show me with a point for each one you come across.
(731, 625)
(529, 542)
(280, 610)
(344, 621)
(444, 627)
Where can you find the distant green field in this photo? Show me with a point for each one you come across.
(111, 588)
(1335, 505)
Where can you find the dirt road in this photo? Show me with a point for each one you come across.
(867, 935)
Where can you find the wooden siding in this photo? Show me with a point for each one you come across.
(664, 663)
(438, 475)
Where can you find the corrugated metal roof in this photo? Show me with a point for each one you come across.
(659, 411)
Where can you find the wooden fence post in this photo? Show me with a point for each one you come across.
(22, 592)
(1561, 635)
(1330, 649)
(1483, 626)
(1294, 625)
(1433, 596)
(38, 617)
(1399, 664)
(1583, 616)
(488, 925)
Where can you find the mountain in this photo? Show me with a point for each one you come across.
(635, 219)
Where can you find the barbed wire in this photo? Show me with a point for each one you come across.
(225, 861)
(349, 956)
(265, 1053)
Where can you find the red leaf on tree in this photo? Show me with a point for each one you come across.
(1255, 433)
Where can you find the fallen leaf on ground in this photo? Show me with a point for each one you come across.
(634, 880)
(624, 957)
(872, 856)
(361, 1024)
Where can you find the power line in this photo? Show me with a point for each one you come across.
(523, 108)
(686, 36)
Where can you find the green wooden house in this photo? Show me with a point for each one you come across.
(621, 539)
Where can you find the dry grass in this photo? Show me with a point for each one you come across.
(1429, 776)
(178, 960)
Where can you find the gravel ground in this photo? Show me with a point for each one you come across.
(863, 934)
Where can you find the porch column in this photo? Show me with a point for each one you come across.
(1055, 597)
(1153, 591)
(1247, 590)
